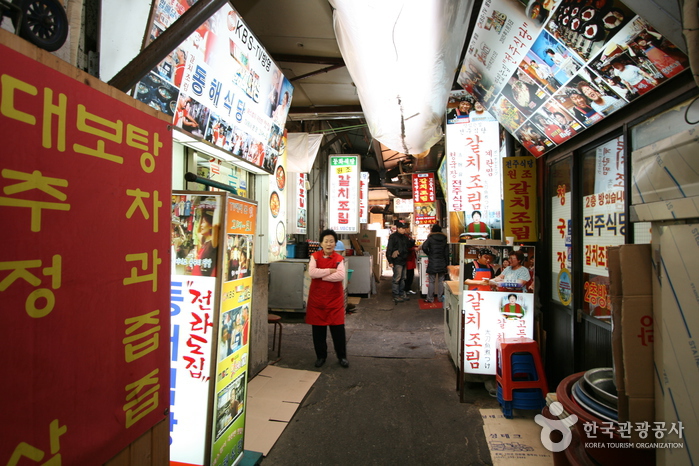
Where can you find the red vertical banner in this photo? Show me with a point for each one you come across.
(519, 188)
(424, 199)
(85, 182)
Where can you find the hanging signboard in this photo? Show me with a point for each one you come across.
(424, 198)
(549, 70)
(364, 197)
(473, 171)
(84, 184)
(519, 187)
(221, 85)
(402, 206)
(297, 198)
(343, 195)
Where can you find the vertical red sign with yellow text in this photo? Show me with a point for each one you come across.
(85, 184)
(424, 198)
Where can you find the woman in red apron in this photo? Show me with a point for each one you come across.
(326, 299)
(478, 273)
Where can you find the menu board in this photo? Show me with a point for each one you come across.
(221, 85)
(548, 69)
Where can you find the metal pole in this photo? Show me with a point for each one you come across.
(192, 178)
(164, 44)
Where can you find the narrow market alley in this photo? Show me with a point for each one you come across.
(397, 403)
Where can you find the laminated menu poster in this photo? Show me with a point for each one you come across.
(221, 85)
(548, 69)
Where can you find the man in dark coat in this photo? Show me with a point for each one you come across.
(436, 246)
(397, 258)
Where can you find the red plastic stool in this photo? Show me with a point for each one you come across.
(510, 378)
(276, 320)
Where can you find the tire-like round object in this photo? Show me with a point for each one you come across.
(44, 23)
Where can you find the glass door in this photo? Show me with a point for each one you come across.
(559, 321)
(586, 204)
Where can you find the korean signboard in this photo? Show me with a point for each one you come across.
(230, 390)
(472, 167)
(297, 200)
(424, 199)
(364, 197)
(519, 187)
(497, 301)
(343, 195)
(213, 251)
(85, 180)
(221, 85)
(549, 70)
(604, 225)
(196, 262)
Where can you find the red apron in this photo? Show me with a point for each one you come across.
(481, 274)
(326, 300)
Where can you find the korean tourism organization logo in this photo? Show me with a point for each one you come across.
(611, 435)
(551, 425)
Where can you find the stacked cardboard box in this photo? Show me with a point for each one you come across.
(630, 274)
(371, 243)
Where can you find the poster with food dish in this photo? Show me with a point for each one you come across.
(220, 85)
(549, 69)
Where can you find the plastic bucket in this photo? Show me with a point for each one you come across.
(349, 274)
(290, 251)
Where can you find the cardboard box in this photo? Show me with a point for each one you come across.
(376, 218)
(631, 293)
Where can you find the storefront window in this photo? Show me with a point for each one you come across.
(226, 173)
(561, 231)
(603, 221)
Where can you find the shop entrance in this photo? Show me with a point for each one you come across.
(586, 207)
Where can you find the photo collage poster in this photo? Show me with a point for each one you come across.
(221, 85)
(549, 69)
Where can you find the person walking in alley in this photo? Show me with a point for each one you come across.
(326, 299)
(397, 258)
(436, 246)
(410, 265)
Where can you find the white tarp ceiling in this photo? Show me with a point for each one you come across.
(402, 56)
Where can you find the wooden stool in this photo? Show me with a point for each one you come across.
(276, 320)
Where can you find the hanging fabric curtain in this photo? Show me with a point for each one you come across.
(402, 56)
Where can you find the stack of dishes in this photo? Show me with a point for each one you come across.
(596, 393)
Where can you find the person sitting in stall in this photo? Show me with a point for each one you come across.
(477, 274)
(516, 276)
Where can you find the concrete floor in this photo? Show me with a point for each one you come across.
(396, 404)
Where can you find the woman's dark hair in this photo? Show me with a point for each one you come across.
(436, 228)
(327, 232)
(476, 212)
(511, 295)
(518, 254)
